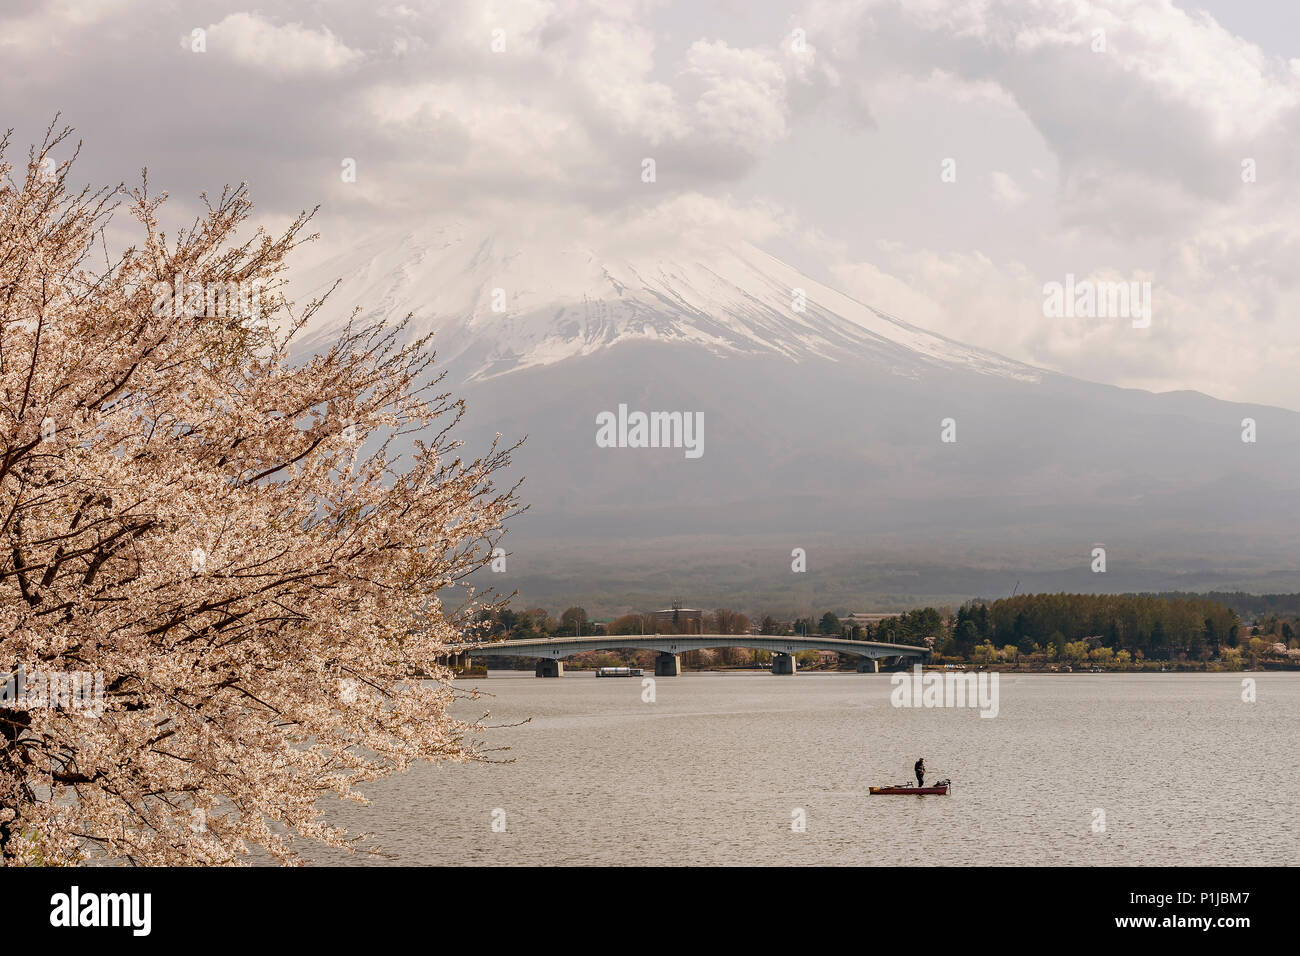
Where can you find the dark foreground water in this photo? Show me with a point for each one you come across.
(1184, 771)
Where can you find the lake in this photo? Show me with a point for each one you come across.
(716, 768)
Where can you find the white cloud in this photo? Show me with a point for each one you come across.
(737, 96)
(47, 27)
(286, 49)
(1005, 190)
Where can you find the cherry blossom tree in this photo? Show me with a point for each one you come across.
(261, 561)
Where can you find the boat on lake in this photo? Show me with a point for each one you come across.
(940, 789)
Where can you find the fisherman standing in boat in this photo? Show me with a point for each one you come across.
(920, 773)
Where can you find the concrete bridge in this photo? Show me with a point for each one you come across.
(668, 663)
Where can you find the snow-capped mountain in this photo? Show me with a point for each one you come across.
(501, 304)
(837, 424)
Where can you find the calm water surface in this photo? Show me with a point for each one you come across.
(1186, 772)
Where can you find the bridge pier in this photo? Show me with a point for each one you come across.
(868, 665)
(549, 668)
(783, 663)
(667, 665)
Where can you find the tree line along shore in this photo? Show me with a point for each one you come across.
(1221, 631)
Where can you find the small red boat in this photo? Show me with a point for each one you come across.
(938, 790)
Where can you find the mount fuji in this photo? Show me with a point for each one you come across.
(823, 428)
(499, 307)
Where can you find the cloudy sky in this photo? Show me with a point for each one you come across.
(1104, 140)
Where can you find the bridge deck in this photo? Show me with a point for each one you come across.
(558, 647)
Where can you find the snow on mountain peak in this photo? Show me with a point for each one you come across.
(499, 304)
